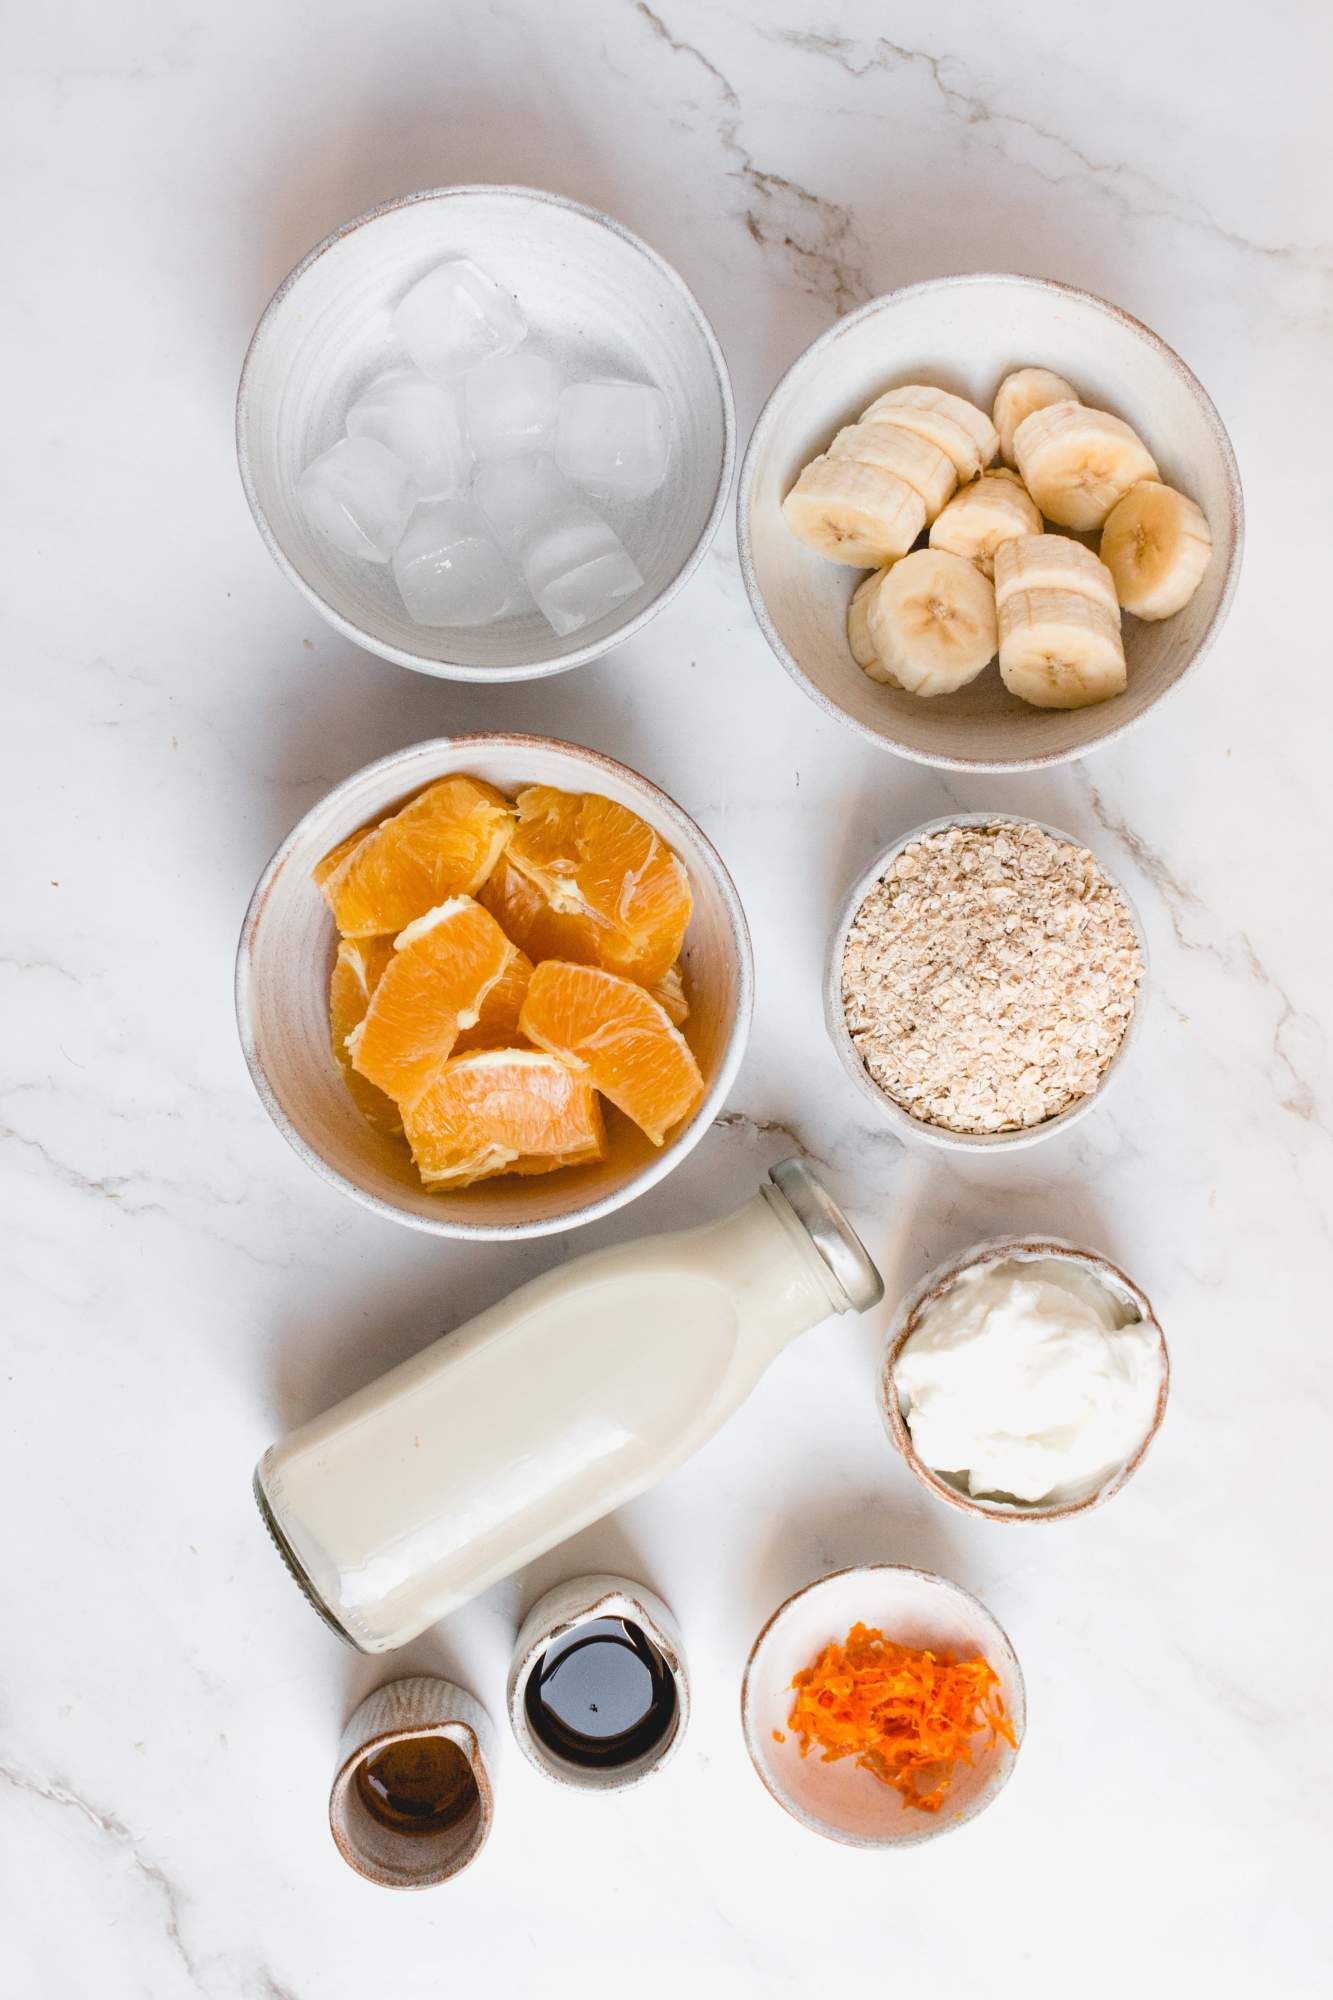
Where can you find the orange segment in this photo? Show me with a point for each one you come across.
(501, 1111)
(434, 986)
(594, 858)
(522, 911)
(445, 843)
(617, 1035)
(356, 973)
(497, 1018)
(669, 994)
(336, 856)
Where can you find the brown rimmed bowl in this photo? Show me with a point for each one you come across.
(965, 334)
(839, 1800)
(286, 953)
(908, 1317)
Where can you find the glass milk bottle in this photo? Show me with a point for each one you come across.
(546, 1411)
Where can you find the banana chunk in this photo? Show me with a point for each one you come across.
(932, 622)
(1052, 562)
(927, 469)
(1026, 390)
(983, 516)
(854, 513)
(1059, 649)
(1157, 545)
(951, 422)
(1076, 463)
(858, 630)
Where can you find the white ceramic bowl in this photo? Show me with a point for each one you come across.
(840, 1800)
(996, 1250)
(966, 334)
(282, 980)
(599, 301)
(907, 1126)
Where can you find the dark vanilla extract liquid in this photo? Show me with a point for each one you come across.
(601, 1695)
(421, 1785)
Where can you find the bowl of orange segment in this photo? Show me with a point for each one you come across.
(494, 986)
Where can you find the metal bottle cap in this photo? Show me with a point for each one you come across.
(844, 1254)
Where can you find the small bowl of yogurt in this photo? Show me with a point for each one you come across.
(1025, 1380)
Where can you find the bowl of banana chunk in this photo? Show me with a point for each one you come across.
(989, 521)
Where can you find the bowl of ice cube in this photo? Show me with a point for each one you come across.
(486, 431)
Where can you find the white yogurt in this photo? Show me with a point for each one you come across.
(1029, 1380)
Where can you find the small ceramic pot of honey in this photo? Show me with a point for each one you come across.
(598, 1692)
(412, 1803)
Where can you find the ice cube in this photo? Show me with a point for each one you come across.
(614, 438)
(565, 542)
(450, 570)
(519, 496)
(510, 403)
(358, 495)
(418, 421)
(579, 596)
(455, 317)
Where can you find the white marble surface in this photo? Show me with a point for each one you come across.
(179, 1288)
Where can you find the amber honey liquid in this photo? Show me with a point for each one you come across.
(423, 1784)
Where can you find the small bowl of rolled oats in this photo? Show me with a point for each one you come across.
(985, 981)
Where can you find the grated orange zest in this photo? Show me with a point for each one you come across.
(908, 1716)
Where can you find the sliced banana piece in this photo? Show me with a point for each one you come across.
(1060, 649)
(858, 630)
(1157, 545)
(989, 512)
(854, 513)
(932, 622)
(1026, 390)
(1076, 462)
(940, 416)
(1052, 562)
(928, 470)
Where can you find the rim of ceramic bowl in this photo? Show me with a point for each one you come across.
(835, 1018)
(994, 1250)
(938, 1825)
(768, 417)
(462, 670)
(670, 1155)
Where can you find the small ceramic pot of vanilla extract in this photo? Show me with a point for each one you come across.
(598, 1691)
(411, 1803)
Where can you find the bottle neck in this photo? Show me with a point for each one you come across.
(765, 1259)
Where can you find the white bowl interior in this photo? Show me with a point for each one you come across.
(966, 334)
(287, 952)
(599, 303)
(840, 1800)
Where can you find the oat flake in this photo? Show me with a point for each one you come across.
(989, 977)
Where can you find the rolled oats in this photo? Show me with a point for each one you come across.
(989, 977)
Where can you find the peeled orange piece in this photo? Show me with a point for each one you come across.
(497, 1018)
(356, 973)
(433, 988)
(614, 1033)
(503, 1111)
(593, 858)
(524, 914)
(669, 993)
(444, 844)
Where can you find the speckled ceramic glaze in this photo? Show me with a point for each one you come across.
(282, 979)
(599, 301)
(908, 1317)
(966, 334)
(401, 1710)
(840, 1800)
(916, 1130)
(562, 1609)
